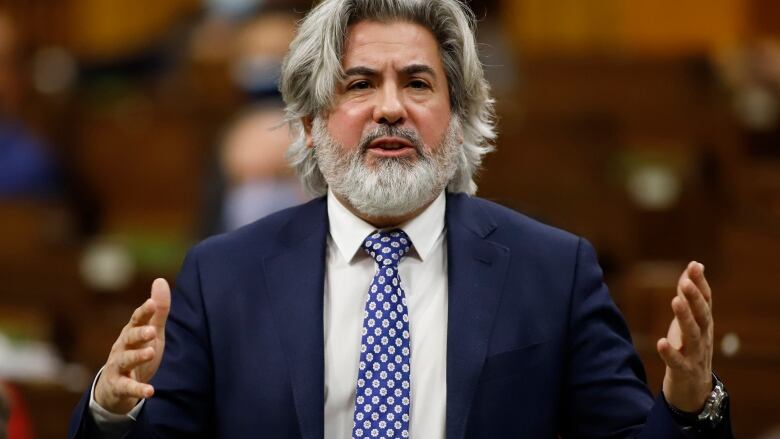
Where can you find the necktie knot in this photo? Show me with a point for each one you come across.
(387, 247)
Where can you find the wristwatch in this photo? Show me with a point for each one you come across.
(710, 415)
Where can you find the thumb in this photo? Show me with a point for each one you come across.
(161, 296)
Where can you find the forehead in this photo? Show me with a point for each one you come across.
(400, 43)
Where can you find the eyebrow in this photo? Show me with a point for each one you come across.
(409, 70)
(414, 69)
(360, 71)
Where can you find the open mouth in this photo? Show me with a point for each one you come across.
(391, 147)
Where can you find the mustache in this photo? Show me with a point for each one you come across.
(410, 136)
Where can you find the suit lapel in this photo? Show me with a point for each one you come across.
(295, 279)
(476, 272)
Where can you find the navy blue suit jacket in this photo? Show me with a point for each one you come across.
(535, 346)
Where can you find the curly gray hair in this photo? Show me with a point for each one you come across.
(312, 70)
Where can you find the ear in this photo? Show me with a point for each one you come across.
(307, 126)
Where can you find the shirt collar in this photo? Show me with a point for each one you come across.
(348, 231)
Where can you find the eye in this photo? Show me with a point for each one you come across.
(359, 85)
(418, 84)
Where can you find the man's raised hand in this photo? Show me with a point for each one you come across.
(136, 354)
(687, 348)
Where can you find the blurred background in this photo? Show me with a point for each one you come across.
(131, 129)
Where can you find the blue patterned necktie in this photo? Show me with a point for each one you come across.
(382, 399)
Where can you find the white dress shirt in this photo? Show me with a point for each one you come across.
(348, 275)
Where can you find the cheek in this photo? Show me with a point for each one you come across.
(433, 126)
(346, 124)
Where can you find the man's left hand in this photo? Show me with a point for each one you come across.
(687, 348)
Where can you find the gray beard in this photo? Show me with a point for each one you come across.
(394, 186)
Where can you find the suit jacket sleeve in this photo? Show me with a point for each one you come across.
(182, 405)
(606, 391)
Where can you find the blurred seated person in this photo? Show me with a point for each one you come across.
(258, 180)
(253, 179)
(259, 48)
(27, 169)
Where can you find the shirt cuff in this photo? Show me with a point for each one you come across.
(104, 418)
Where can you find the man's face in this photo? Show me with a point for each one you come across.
(389, 143)
(393, 76)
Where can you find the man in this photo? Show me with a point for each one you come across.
(392, 307)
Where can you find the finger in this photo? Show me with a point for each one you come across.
(696, 274)
(138, 335)
(129, 388)
(699, 307)
(161, 297)
(127, 360)
(691, 333)
(671, 356)
(142, 314)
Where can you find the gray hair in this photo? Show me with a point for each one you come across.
(312, 70)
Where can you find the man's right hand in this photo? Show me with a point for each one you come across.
(136, 355)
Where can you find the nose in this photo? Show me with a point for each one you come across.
(389, 109)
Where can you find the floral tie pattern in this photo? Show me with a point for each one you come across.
(383, 395)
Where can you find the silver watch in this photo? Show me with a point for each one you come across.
(713, 410)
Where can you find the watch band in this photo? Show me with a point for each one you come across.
(714, 406)
(710, 416)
